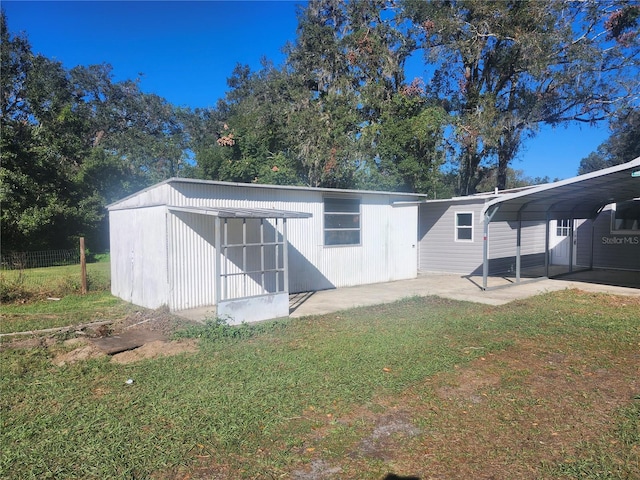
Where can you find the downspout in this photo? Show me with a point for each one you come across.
(485, 246)
(218, 258)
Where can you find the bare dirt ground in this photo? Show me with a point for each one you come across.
(151, 331)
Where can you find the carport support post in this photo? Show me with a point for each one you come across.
(546, 245)
(485, 246)
(518, 243)
(571, 246)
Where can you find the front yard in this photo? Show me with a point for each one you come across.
(545, 388)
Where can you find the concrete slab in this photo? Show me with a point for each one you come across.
(448, 286)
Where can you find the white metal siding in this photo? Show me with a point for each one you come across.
(181, 260)
(192, 260)
(139, 256)
(312, 266)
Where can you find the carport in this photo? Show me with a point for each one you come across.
(582, 197)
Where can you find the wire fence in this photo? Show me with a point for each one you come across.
(49, 258)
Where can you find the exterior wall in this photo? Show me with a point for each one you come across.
(191, 265)
(168, 257)
(503, 245)
(610, 250)
(139, 256)
(312, 266)
(441, 253)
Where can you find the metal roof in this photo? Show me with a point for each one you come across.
(229, 212)
(578, 197)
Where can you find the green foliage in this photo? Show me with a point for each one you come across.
(72, 142)
(37, 283)
(218, 330)
(506, 67)
(622, 146)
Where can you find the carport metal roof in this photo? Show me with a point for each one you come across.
(579, 197)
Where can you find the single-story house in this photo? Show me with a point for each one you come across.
(242, 248)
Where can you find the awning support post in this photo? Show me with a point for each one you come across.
(285, 255)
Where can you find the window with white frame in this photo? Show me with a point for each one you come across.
(341, 221)
(563, 227)
(464, 226)
(625, 217)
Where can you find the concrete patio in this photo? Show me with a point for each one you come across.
(503, 290)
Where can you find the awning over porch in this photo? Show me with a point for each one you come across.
(252, 264)
(233, 212)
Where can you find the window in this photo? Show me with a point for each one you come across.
(464, 227)
(563, 228)
(341, 221)
(625, 217)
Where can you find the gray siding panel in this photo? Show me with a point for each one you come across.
(440, 252)
(615, 251)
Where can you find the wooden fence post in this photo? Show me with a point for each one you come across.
(83, 268)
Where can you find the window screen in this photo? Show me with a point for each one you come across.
(341, 221)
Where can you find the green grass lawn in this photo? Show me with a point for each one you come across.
(37, 283)
(269, 400)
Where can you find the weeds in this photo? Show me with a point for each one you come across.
(218, 329)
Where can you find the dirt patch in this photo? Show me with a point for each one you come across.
(155, 349)
(318, 470)
(390, 430)
(84, 351)
(141, 335)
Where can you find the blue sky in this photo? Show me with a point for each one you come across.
(187, 50)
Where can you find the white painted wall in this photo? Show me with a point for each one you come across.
(175, 253)
(139, 270)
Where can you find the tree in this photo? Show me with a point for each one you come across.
(408, 143)
(505, 67)
(73, 141)
(622, 146)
